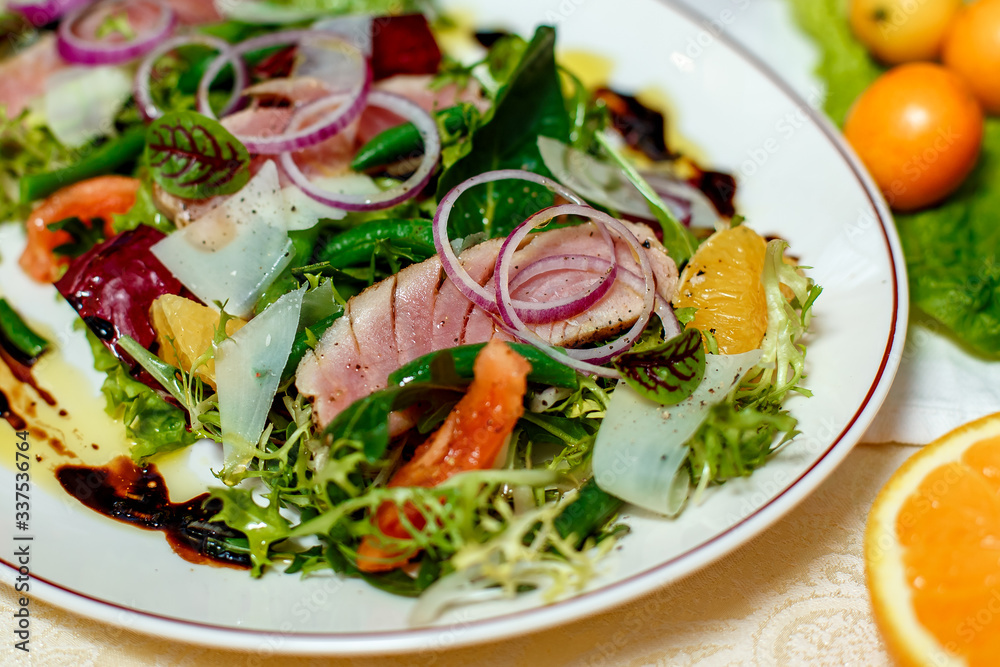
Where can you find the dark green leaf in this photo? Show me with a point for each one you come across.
(530, 104)
(568, 431)
(193, 156)
(667, 373)
(367, 419)
(399, 582)
(84, 235)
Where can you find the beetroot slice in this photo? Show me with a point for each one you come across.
(403, 45)
(113, 285)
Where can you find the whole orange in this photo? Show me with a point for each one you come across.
(918, 129)
(972, 48)
(899, 31)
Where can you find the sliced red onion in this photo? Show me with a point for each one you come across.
(320, 130)
(597, 266)
(144, 99)
(45, 11)
(76, 49)
(476, 293)
(598, 355)
(561, 309)
(394, 195)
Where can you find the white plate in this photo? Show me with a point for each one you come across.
(797, 179)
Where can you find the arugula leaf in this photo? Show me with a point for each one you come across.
(667, 373)
(193, 156)
(529, 104)
(84, 235)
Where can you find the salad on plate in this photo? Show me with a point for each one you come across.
(443, 308)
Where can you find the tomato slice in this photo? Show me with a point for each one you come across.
(100, 197)
(471, 438)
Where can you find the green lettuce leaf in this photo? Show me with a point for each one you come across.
(156, 426)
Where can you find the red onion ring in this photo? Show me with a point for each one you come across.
(561, 309)
(45, 11)
(76, 49)
(589, 263)
(141, 91)
(517, 326)
(400, 106)
(472, 290)
(550, 311)
(316, 132)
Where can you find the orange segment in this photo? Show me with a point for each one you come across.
(932, 551)
(722, 280)
(185, 330)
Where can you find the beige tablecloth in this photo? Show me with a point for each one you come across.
(795, 595)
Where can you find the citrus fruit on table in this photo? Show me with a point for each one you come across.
(932, 551)
(918, 129)
(722, 280)
(898, 31)
(972, 49)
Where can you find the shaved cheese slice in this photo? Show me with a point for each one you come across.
(81, 103)
(248, 368)
(235, 251)
(302, 211)
(641, 447)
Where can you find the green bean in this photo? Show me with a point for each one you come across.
(403, 140)
(356, 245)
(20, 334)
(301, 343)
(592, 509)
(544, 369)
(106, 159)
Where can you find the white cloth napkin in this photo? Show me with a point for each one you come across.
(938, 386)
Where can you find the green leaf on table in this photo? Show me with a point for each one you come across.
(953, 254)
(192, 156)
(667, 373)
(528, 105)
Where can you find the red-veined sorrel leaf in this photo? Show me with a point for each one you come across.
(192, 156)
(667, 373)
